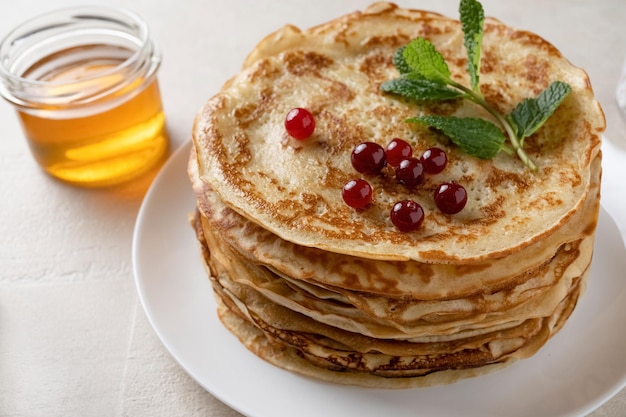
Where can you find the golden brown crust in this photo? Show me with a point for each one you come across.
(533, 294)
(390, 278)
(336, 70)
(298, 352)
(315, 287)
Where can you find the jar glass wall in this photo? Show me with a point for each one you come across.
(84, 84)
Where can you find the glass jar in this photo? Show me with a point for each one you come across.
(83, 81)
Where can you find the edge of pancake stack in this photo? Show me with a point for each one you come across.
(319, 288)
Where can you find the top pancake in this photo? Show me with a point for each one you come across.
(335, 70)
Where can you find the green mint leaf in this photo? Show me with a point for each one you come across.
(420, 89)
(472, 21)
(426, 62)
(400, 62)
(531, 113)
(477, 137)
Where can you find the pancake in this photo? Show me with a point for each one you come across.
(272, 331)
(390, 278)
(333, 293)
(406, 318)
(335, 70)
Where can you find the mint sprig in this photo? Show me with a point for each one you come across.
(425, 76)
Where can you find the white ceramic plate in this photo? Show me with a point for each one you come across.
(579, 369)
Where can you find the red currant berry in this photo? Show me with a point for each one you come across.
(407, 215)
(397, 151)
(434, 160)
(450, 197)
(357, 193)
(410, 172)
(299, 123)
(368, 158)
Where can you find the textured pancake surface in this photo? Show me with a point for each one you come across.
(293, 189)
(423, 281)
(295, 341)
(318, 288)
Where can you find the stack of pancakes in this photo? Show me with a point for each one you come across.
(314, 286)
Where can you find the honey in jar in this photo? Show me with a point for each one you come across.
(86, 93)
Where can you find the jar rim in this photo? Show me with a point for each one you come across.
(143, 61)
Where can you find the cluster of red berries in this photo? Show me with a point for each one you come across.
(370, 158)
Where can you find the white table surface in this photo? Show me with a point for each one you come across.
(74, 339)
